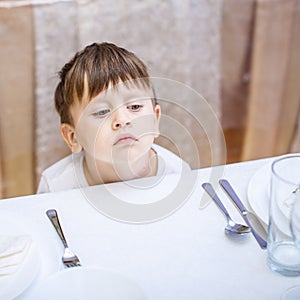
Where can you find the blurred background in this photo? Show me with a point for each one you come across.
(242, 56)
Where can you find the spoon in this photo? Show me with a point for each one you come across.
(231, 228)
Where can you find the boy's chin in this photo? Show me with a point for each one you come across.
(130, 156)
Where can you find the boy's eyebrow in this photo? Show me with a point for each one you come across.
(139, 98)
(97, 104)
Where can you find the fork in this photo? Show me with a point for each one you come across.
(69, 259)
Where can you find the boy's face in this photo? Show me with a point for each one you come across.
(118, 125)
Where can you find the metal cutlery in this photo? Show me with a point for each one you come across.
(231, 228)
(69, 259)
(249, 217)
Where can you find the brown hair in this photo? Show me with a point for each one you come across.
(101, 64)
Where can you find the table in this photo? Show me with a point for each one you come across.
(185, 255)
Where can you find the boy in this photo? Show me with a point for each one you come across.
(109, 119)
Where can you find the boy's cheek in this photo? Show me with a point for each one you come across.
(144, 126)
(87, 135)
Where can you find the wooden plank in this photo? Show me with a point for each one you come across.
(17, 100)
(235, 59)
(236, 41)
(291, 113)
(1, 176)
(268, 104)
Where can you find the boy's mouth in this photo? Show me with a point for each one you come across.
(125, 139)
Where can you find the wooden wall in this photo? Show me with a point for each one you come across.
(274, 90)
(17, 101)
(260, 77)
(259, 82)
(178, 41)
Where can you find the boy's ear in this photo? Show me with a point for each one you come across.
(157, 112)
(68, 133)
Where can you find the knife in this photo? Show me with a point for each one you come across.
(245, 213)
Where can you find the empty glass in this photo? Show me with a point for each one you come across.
(293, 293)
(283, 254)
(295, 219)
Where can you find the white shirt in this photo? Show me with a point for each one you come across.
(68, 172)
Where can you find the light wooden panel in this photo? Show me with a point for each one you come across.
(273, 93)
(293, 83)
(17, 100)
(1, 177)
(236, 32)
(292, 91)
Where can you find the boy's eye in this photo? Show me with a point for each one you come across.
(135, 107)
(101, 113)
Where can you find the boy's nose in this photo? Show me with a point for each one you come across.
(120, 119)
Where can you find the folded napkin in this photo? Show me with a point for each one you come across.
(13, 251)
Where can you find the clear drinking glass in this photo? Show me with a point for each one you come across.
(283, 254)
(292, 293)
(295, 219)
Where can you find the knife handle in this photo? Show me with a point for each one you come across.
(230, 191)
(262, 243)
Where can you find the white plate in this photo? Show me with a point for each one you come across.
(33, 268)
(258, 192)
(87, 283)
(13, 285)
(259, 195)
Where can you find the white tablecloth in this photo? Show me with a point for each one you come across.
(183, 256)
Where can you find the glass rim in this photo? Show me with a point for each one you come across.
(278, 175)
(288, 290)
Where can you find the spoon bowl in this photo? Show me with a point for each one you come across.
(235, 228)
(232, 228)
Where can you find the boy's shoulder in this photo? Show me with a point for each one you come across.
(64, 165)
(65, 174)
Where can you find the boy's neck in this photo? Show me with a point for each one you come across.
(100, 172)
